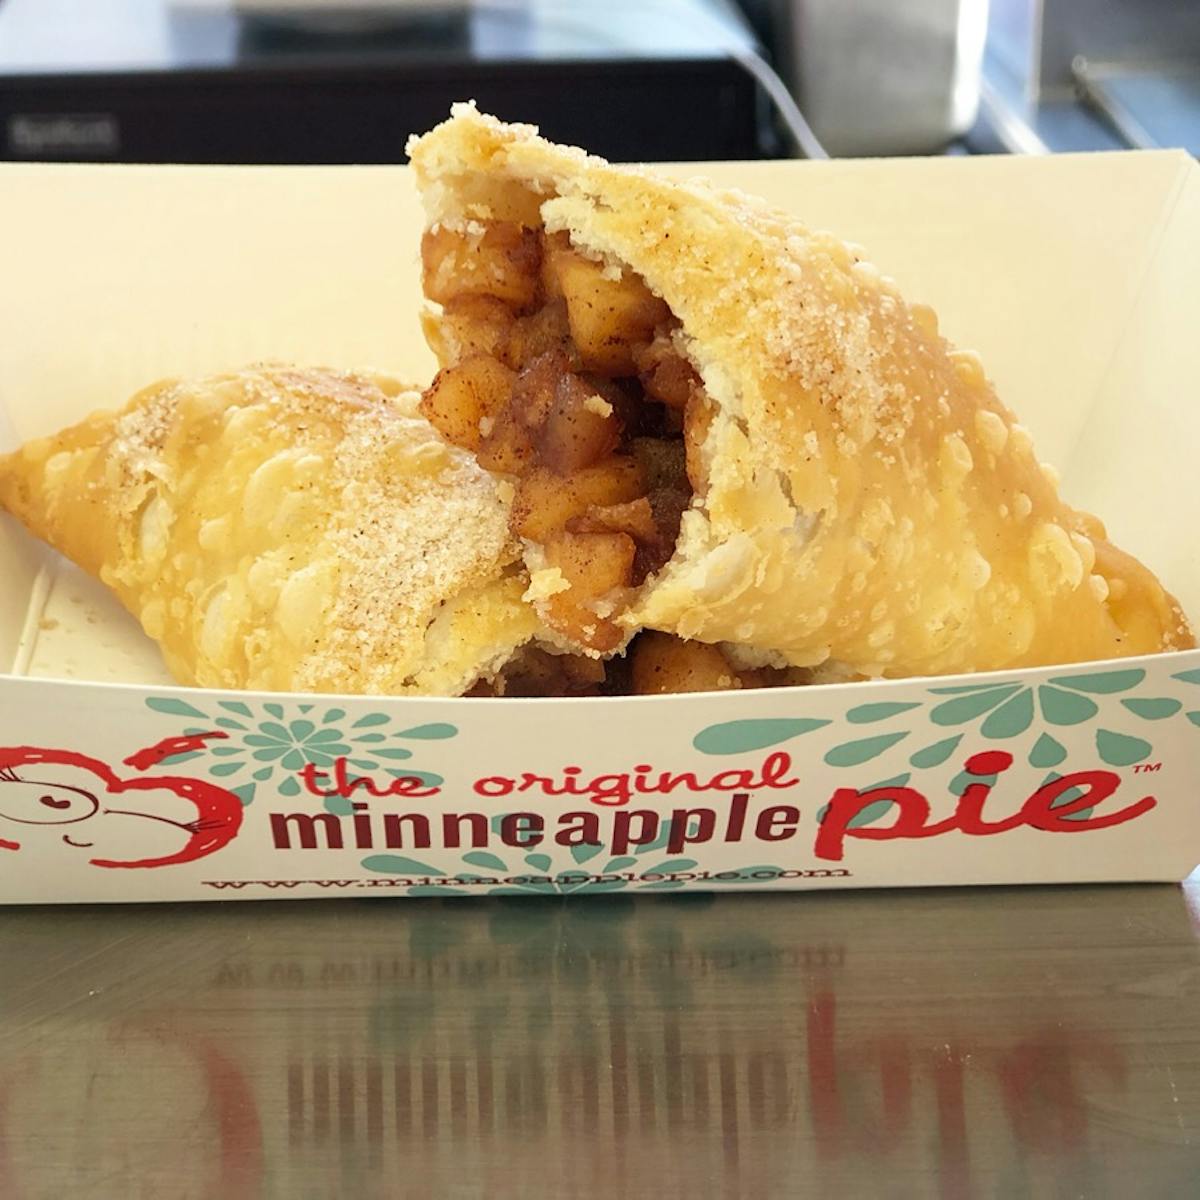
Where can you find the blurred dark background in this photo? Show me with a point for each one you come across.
(328, 81)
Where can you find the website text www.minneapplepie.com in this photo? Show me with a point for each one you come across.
(563, 879)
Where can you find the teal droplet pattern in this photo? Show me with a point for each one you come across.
(397, 864)
(1103, 683)
(935, 755)
(172, 706)
(1119, 749)
(1047, 752)
(481, 858)
(1152, 708)
(741, 737)
(431, 732)
(960, 689)
(851, 754)
(371, 719)
(1065, 708)
(866, 714)
(1011, 718)
(973, 704)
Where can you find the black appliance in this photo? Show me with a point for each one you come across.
(262, 82)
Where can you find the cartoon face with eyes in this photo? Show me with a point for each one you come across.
(38, 802)
(59, 802)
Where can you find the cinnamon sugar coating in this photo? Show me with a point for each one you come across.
(280, 528)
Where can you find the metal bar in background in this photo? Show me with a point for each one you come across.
(1150, 106)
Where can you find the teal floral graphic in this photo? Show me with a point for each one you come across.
(257, 750)
(1005, 710)
(999, 710)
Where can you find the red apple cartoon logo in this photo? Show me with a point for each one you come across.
(73, 800)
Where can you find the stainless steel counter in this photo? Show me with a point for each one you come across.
(1029, 1042)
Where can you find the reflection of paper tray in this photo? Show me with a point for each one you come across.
(967, 1044)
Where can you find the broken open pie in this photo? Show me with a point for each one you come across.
(720, 425)
(695, 447)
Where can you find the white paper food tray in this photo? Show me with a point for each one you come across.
(1074, 279)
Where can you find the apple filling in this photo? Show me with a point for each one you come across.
(655, 664)
(566, 374)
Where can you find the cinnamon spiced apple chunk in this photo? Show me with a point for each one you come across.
(653, 664)
(665, 665)
(563, 372)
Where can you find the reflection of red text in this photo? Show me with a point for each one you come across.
(1041, 1088)
(128, 1122)
(953, 1165)
(886, 1058)
(864, 1094)
(237, 1122)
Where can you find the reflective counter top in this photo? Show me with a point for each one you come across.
(1037, 1042)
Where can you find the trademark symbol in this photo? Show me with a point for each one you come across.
(1146, 768)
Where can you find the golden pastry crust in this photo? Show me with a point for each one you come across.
(868, 500)
(285, 529)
